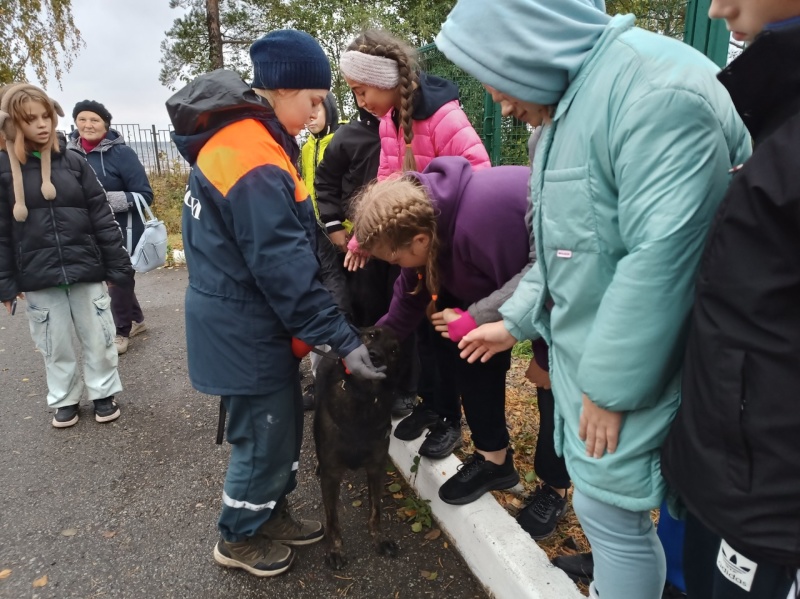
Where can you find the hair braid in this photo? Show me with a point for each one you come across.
(390, 213)
(378, 42)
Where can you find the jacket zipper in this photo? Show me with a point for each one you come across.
(58, 243)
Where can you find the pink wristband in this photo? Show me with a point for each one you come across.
(460, 327)
(353, 245)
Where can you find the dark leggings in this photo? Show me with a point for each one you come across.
(481, 386)
(548, 466)
(125, 307)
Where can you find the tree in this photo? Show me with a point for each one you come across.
(214, 34)
(37, 34)
(667, 17)
(332, 22)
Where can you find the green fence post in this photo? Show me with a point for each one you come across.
(709, 36)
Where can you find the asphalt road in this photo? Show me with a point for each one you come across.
(128, 509)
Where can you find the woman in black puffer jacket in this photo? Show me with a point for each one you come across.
(123, 177)
(59, 242)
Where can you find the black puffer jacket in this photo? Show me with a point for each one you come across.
(71, 239)
(350, 161)
(733, 452)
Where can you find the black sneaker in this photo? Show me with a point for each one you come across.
(579, 567)
(105, 410)
(442, 440)
(412, 426)
(477, 476)
(258, 555)
(540, 517)
(672, 592)
(308, 397)
(404, 402)
(66, 416)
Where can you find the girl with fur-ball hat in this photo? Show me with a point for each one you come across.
(59, 243)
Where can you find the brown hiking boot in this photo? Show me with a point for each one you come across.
(284, 528)
(257, 555)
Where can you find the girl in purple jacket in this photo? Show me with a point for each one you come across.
(460, 239)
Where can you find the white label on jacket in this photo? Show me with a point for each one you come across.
(564, 253)
(736, 567)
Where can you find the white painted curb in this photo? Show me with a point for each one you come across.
(505, 559)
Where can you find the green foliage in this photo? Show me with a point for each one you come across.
(522, 350)
(667, 17)
(39, 34)
(418, 511)
(334, 23)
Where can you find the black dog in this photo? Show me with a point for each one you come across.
(352, 423)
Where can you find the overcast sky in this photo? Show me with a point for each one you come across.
(120, 63)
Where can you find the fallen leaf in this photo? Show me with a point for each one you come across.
(394, 488)
(70, 532)
(445, 544)
(398, 495)
(40, 582)
(433, 535)
(416, 527)
(530, 476)
(25, 380)
(433, 576)
(424, 573)
(5, 573)
(109, 533)
(410, 513)
(357, 503)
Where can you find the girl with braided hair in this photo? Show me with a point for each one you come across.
(420, 119)
(460, 239)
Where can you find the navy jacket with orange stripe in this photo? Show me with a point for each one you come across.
(248, 234)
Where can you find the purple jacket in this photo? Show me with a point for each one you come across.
(483, 239)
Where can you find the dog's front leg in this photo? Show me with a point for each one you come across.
(383, 546)
(330, 500)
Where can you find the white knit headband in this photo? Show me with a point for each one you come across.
(375, 71)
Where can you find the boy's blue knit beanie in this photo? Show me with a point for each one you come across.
(289, 59)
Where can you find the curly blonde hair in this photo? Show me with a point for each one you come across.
(378, 42)
(390, 213)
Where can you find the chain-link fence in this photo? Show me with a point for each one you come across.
(506, 139)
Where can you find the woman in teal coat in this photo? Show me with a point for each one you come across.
(633, 160)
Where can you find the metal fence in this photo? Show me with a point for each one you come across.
(505, 139)
(154, 148)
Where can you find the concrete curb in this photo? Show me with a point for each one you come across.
(501, 555)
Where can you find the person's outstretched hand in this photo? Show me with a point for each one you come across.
(485, 341)
(339, 239)
(359, 363)
(599, 428)
(354, 260)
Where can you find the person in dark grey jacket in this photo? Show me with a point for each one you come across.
(122, 175)
(58, 244)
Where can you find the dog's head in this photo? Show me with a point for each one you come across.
(383, 346)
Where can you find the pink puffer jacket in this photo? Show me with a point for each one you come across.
(447, 133)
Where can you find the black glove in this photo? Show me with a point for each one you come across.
(359, 363)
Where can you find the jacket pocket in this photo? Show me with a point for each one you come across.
(568, 219)
(95, 249)
(732, 405)
(39, 319)
(103, 308)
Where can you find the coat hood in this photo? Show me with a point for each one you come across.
(213, 101)
(331, 117)
(528, 49)
(445, 178)
(433, 93)
(112, 138)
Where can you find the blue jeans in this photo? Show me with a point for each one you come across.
(266, 432)
(628, 557)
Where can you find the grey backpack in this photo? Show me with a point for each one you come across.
(151, 251)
